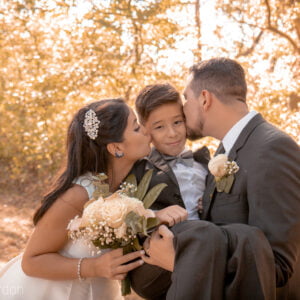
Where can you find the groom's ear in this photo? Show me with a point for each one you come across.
(207, 98)
(114, 148)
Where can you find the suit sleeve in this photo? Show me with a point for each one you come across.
(150, 282)
(274, 201)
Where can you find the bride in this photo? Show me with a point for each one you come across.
(103, 137)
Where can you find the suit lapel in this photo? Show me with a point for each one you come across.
(208, 195)
(243, 137)
(210, 190)
(158, 161)
(210, 185)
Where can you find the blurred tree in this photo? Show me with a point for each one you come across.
(266, 41)
(198, 50)
(56, 55)
(279, 18)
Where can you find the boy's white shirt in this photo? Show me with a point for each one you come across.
(191, 181)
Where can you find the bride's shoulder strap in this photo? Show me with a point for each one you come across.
(86, 182)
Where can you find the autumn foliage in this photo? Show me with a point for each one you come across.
(56, 55)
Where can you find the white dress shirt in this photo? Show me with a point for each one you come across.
(191, 181)
(232, 135)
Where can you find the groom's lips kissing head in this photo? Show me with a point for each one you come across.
(192, 112)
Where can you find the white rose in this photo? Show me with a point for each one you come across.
(217, 165)
(112, 210)
(92, 213)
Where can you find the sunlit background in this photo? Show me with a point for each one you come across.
(57, 55)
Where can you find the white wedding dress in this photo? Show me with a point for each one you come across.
(16, 285)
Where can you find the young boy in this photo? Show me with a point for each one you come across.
(160, 111)
(159, 108)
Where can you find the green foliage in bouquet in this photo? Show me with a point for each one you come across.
(140, 224)
(137, 223)
(141, 189)
(101, 188)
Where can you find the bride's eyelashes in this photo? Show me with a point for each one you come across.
(137, 129)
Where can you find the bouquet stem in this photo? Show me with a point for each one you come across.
(125, 286)
(125, 283)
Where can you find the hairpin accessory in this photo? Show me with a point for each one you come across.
(91, 124)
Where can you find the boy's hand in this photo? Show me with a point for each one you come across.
(172, 215)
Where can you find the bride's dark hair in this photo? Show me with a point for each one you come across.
(83, 153)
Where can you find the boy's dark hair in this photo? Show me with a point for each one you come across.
(223, 77)
(152, 96)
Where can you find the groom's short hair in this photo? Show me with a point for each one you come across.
(153, 96)
(223, 77)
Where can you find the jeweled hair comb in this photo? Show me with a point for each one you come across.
(91, 124)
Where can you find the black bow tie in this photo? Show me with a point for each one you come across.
(185, 158)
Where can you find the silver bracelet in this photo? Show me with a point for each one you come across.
(79, 269)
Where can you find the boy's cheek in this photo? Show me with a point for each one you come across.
(156, 138)
(157, 143)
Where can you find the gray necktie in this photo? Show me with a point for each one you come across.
(220, 150)
(185, 158)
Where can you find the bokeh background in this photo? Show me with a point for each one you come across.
(57, 55)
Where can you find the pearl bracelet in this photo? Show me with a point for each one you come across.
(79, 269)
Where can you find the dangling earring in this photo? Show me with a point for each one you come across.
(119, 155)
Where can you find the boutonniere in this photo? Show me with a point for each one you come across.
(223, 170)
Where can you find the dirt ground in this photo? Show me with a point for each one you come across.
(15, 225)
(16, 211)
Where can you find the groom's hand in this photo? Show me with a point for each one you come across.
(159, 248)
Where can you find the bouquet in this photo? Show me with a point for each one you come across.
(118, 220)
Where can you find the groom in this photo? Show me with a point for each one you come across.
(264, 194)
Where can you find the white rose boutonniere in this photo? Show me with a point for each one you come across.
(223, 170)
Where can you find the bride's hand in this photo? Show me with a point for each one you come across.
(172, 215)
(115, 265)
